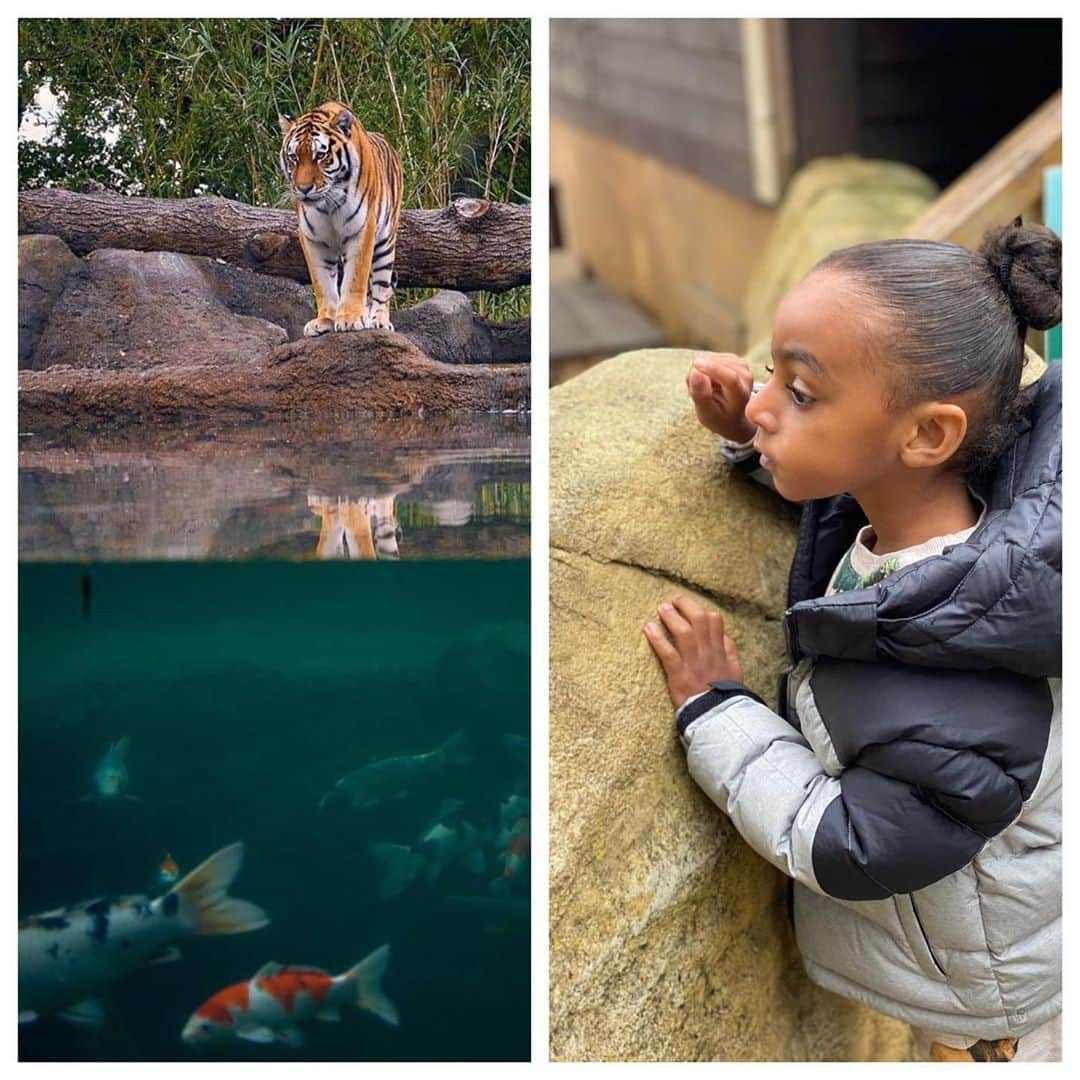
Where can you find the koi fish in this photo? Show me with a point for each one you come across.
(168, 871)
(111, 773)
(445, 842)
(514, 854)
(68, 955)
(271, 1005)
(398, 777)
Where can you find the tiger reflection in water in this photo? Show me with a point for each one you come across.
(361, 528)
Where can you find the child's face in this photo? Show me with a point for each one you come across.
(822, 423)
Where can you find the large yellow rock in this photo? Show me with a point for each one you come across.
(670, 938)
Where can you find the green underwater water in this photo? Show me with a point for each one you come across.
(246, 691)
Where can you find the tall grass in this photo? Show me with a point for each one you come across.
(181, 107)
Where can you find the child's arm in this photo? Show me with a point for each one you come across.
(889, 822)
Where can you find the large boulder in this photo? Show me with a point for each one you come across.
(446, 328)
(44, 265)
(135, 310)
(670, 938)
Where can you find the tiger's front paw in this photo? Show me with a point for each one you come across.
(348, 319)
(378, 318)
(318, 326)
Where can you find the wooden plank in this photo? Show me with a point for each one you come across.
(588, 318)
(999, 185)
(679, 247)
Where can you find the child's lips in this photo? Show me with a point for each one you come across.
(764, 460)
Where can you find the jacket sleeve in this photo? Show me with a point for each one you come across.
(894, 821)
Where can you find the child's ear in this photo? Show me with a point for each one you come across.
(938, 428)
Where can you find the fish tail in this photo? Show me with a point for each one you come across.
(205, 903)
(367, 975)
(120, 748)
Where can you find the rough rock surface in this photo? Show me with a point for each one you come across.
(44, 265)
(445, 328)
(134, 310)
(124, 309)
(670, 938)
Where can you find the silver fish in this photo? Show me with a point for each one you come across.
(68, 955)
(111, 773)
(398, 777)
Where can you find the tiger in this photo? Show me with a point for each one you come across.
(346, 185)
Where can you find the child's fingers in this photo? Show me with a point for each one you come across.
(689, 608)
(663, 648)
(673, 620)
(717, 364)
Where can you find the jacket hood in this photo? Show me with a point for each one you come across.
(993, 601)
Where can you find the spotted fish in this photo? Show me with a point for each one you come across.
(68, 955)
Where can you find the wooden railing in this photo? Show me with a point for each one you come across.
(1001, 184)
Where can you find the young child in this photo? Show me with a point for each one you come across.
(910, 783)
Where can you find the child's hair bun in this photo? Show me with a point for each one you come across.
(1026, 260)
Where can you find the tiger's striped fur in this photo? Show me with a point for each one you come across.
(346, 185)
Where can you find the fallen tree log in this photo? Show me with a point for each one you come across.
(471, 244)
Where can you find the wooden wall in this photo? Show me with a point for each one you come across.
(678, 246)
(669, 88)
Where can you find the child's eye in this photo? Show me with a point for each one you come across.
(769, 368)
(801, 400)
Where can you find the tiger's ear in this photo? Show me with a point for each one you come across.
(344, 122)
(286, 122)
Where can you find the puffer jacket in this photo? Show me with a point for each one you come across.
(911, 781)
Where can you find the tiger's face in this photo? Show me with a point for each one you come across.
(316, 157)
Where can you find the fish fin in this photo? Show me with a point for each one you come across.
(290, 1036)
(400, 865)
(256, 1033)
(133, 798)
(369, 992)
(27, 1016)
(88, 1013)
(120, 748)
(170, 954)
(268, 970)
(331, 1012)
(204, 900)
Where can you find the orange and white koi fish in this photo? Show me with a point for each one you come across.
(516, 852)
(271, 1006)
(67, 956)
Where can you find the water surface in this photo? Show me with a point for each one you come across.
(347, 489)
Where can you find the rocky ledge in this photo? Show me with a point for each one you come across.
(122, 338)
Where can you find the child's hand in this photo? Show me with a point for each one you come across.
(720, 386)
(702, 652)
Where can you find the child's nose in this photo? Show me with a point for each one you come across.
(758, 410)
